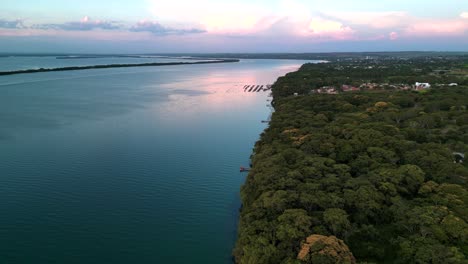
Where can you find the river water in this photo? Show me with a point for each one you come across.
(128, 165)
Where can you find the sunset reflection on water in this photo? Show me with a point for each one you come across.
(221, 91)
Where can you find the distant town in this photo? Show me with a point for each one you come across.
(378, 72)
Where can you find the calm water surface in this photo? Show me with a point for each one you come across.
(136, 165)
(12, 63)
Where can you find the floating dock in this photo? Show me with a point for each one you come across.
(256, 88)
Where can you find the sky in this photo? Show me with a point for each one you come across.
(188, 26)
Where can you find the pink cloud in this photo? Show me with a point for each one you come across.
(356, 26)
(377, 20)
(330, 29)
(393, 35)
(442, 28)
(316, 28)
(369, 25)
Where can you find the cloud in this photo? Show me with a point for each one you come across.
(250, 23)
(218, 17)
(330, 29)
(320, 25)
(160, 30)
(401, 25)
(376, 20)
(11, 24)
(85, 24)
(95, 28)
(437, 28)
(393, 35)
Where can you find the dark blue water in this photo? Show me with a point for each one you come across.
(135, 165)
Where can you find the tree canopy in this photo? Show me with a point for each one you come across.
(375, 169)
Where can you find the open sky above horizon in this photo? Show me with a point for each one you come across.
(159, 26)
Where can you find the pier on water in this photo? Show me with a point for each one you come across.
(256, 88)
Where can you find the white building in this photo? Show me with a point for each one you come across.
(420, 86)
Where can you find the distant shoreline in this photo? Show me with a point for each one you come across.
(77, 68)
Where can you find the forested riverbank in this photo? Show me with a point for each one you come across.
(374, 176)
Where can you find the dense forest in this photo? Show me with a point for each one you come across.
(360, 177)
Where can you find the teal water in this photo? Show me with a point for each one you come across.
(136, 165)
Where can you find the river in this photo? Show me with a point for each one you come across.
(128, 165)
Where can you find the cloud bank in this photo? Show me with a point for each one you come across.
(85, 24)
(11, 24)
(160, 30)
(244, 24)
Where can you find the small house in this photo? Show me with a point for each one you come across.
(421, 86)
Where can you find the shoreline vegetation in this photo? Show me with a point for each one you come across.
(107, 66)
(375, 174)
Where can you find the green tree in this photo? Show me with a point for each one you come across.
(337, 220)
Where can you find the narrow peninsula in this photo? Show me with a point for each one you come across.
(106, 66)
